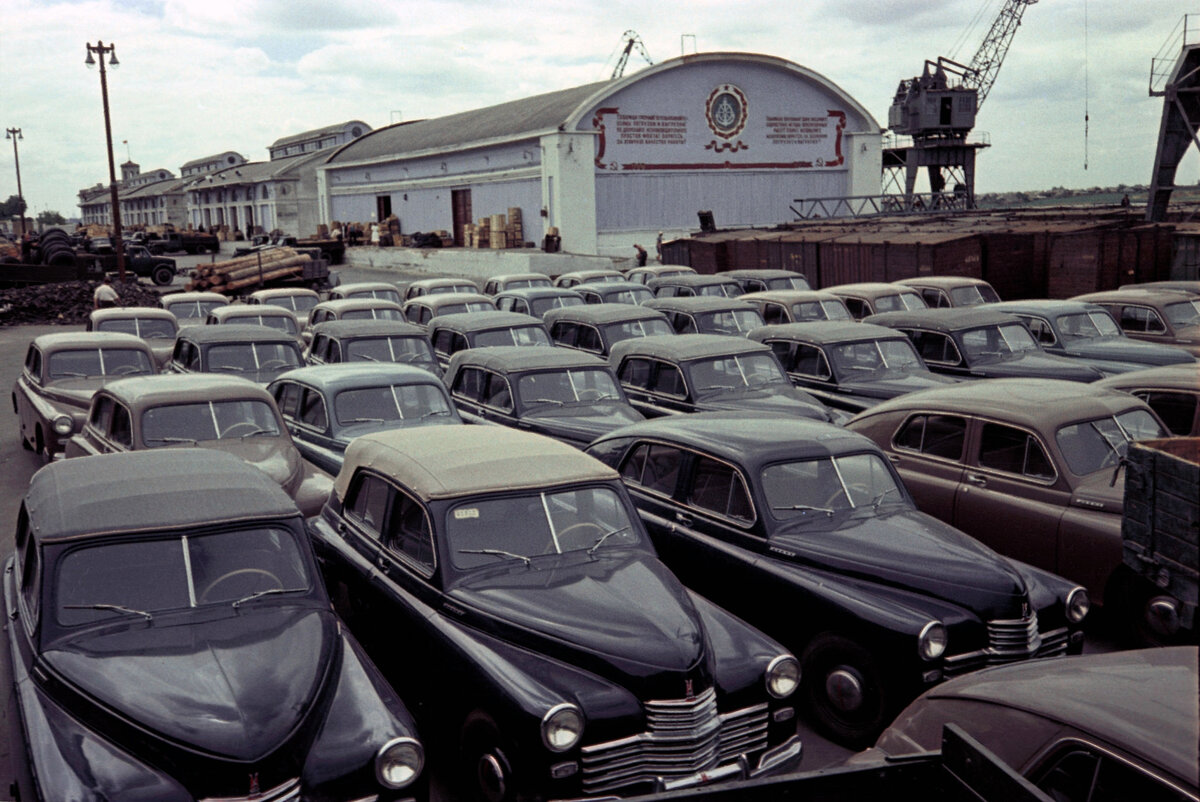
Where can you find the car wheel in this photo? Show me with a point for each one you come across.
(844, 690)
(486, 773)
(163, 275)
(39, 443)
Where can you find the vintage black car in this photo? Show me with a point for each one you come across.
(950, 291)
(666, 375)
(422, 309)
(559, 392)
(326, 407)
(273, 317)
(595, 328)
(253, 352)
(705, 314)
(848, 366)
(371, 341)
(453, 333)
(1170, 317)
(761, 280)
(1089, 333)
(1173, 392)
(537, 301)
(969, 343)
(614, 292)
(506, 579)
(798, 306)
(178, 643)
(874, 297)
(806, 531)
(688, 284)
(352, 309)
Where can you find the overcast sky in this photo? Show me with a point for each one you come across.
(199, 77)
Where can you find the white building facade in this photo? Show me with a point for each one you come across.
(612, 163)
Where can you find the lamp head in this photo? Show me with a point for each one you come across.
(89, 61)
(112, 59)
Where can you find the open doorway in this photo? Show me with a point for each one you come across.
(460, 204)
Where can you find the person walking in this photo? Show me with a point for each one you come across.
(105, 295)
(641, 255)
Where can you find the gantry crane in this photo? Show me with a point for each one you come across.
(938, 108)
(632, 40)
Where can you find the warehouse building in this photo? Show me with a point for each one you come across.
(612, 163)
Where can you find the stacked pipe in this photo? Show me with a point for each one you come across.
(54, 248)
(245, 271)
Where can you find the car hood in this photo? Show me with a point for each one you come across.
(890, 385)
(581, 423)
(762, 401)
(237, 688)
(76, 392)
(1098, 492)
(1124, 349)
(1036, 366)
(910, 550)
(621, 613)
(274, 456)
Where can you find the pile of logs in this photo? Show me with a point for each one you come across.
(245, 271)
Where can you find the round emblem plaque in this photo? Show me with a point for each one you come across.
(726, 111)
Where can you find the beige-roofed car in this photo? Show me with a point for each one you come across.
(157, 327)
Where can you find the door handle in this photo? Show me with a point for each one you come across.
(976, 480)
(685, 520)
(894, 458)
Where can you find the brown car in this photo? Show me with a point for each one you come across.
(227, 413)
(1025, 465)
(1173, 391)
(874, 297)
(1154, 315)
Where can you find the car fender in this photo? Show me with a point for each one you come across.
(742, 652)
(1089, 542)
(80, 446)
(312, 489)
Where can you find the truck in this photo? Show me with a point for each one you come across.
(145, 264)
(1160, 537)
(331, 250)
(189, 241)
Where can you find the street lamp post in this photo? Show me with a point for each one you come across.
(101, 49)
(14, 134)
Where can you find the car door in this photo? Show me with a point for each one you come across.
(654, 387)
(1009, 496)
(928, 449)
(939, 351)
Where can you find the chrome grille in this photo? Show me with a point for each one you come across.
(683, 737)
(1009, 641)
(286, 792)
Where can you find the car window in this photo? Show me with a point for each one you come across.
(718, 488)
(556, 388)
(312, 409)
(1177, 410)
(389, 403)
(101, 414)
(389, 349)
(936, 298)
(935, 347)
(736, 372)
(810, 361)
(654, 467)
(1087, 326)
(1183, 313)
(121, 431)
(589, 340)
(409, 532)
(517, 335)
(366, 504)
(860, 309)
(972, 295)
(796, 490)
(1097, 444)
(774, 313)
(637, 328)
(682, 324)
(1081, 773)
(935, 435)
(636, 372)
(1043, 332)
(668, 380)
(1011, 450)
(123, 326)
(498, 393)
(563, 333)
(469, 383)
(1141, 319)
(175, 424)
(81, 363)
(287, 397)
(736, 322)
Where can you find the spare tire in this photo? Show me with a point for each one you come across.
(62, 259)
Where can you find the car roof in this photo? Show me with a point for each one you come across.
(345, 375)
(483, 321)
(1184, 376)
(591, 272)
(340, 305)
(600, 314)
(368, 328)
(685, 346)
(1035, 403)
(445, 299)
(1141, 700)
(700, 303)
(140, 392)
(607, 287)
(748, 437)
(151, 490)
(945, 319)
(1148, 296)
(941, 282)
(192, 297)
(284, 292)
(530, 293)
(515, 358)
(763, 273)
(252, 310)
(518, 276)
(1046, 306)
(360, 286)
(443, 281)
(790, 296)
(689, 280)
(235, 333)
(75, 340)
(869, 288)
(130, 312)
(824, 332)
(441, 462)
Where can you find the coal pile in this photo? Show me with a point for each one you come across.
(64, 304)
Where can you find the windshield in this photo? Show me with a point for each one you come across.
(1101, 443)
(452, 288)
(284, 323)
(191, 309)
(637, 328)
(635, 297)
(100, 582)
(97, 362)
(820, 310)
(900, 302)
(520, 335)
(737, 373)
(872, 356)
(974, 295)
(466, 306)
(391, 403)
(726, 289)
(998, 342)
(207, 420)
(1184, 313)
(1087, 326)
(486, 531)
(389, 349)
(789, 283)
(251, 357)
(527, 283)
(297, 303)
(541, 306)
(572, 386)
(373, 314)
(807, 488)
(734, 322)
(146, 328)
(383, 295)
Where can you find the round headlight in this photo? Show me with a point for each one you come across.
(1078, 605)
(562, 727)
(63, 425)
(398, 762)
(931, 643)
(783, 676)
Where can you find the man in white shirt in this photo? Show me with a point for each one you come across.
(105, 295)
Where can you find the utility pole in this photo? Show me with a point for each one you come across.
(111, 50)
(14, 134)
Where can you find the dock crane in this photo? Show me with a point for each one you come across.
(937, 110)
(632, 40)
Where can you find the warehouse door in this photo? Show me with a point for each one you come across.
(383, 207)
(460, 202)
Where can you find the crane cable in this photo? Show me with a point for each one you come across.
(1085, 86)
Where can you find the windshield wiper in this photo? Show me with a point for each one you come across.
(592, 549)
(116, 608)
(433, 412)
(829, 511)
(554, 401)
(255, 432)
(229, 368)
(367, 358)
(362, 420)
(260, 593)
(69, 374)
(875, 502)
(498, 553)
(191, 440)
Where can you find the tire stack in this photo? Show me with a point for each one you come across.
(54, 248)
